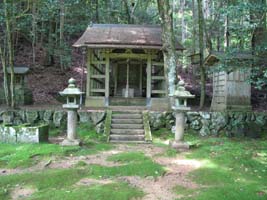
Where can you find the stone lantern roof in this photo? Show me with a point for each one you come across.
(71, 89)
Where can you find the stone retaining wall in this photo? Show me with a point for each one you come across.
(205, 123)
(55, 118)
(251, 124)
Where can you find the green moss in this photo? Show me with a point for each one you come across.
(142, 169)
(231, 168)
(128, 157)
(113, 191)
(107, 127)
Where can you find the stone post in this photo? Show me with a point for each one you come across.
(72, 94)
(178, 142)
(180, 107)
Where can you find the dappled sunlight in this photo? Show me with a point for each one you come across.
(195, 163)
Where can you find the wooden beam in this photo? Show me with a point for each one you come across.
(148, 81)
(158, 92)
(158, 64)
(88, 65)
(98, 90)
(115, 78)
(99, 76)
(158, 77)
(130, 56)
(141, 78)
(107, 56)
(96, 68)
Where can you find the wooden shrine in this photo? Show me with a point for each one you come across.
(231, 86)
(124, 66)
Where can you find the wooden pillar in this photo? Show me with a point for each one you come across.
(107, 78)
(127, 80)
(115, 78)
(141, 78)
(88, 65)
(148, 80)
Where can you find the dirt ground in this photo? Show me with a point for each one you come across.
(155, 188)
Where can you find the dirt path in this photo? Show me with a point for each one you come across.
(155, 188)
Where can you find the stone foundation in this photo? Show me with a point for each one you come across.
(55, 118)
(238, 124)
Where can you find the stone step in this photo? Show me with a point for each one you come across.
(127, 126)
(126, 116)
(127, 121)
(127, 137)
(127, 131)
(126, 142)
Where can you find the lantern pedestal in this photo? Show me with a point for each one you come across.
(180, 107)
(71, 130)
(178, 142)
(72, 93)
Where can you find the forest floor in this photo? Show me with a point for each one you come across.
(216, 168)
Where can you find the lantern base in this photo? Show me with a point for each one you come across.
(68, 142)
(179, 145)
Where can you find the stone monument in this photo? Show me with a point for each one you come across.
(72, 94)
(180, 107)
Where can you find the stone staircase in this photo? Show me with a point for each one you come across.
(127, 127)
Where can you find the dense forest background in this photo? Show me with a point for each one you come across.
(40, 34)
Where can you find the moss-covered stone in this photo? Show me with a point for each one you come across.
(60, 118)
(31, 116)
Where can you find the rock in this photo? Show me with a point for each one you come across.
(205, 115)
(219, 121)
(48, 116)
(21, 115)
(205, 130)
(8, 117)
(249, 129)
(97, 117)
(60, 118)
(99, 128)
(84, 116)
(41, 114)
(170, 120)
(192, 116)
(196, 125)
(157, 120)
(261, 119)
(31, 116)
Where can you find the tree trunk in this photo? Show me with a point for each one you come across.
(201, 48)
(6, 90)
(194, 26)
(34, 23)
(226, 31)
(182, 5)
(10, 54)
(61, 33)
(168, 47)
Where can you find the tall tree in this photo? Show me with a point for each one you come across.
(8, 7)
(168, 48)
(201, 52)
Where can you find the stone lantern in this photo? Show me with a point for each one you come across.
(73, 95)
(180, 107)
